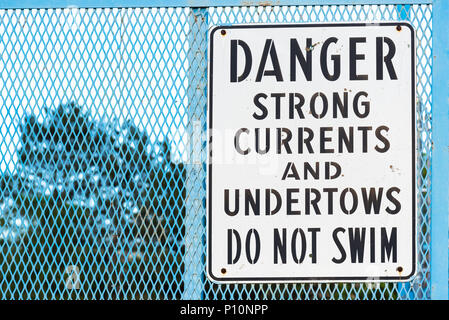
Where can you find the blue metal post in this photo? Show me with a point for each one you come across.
(440, 156)
(195, 208)
(404, 288)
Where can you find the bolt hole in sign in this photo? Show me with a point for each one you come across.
(311, 173)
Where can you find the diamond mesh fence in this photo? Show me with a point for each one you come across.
(102, 169)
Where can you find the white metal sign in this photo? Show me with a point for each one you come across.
(311, 174)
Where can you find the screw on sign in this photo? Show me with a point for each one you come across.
(331, 108)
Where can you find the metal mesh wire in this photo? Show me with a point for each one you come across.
(102, 178)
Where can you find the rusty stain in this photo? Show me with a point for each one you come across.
(312, 46)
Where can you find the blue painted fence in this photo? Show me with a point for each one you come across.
(103, 144)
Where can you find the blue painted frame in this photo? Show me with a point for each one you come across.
(12, 4)
(440, 157)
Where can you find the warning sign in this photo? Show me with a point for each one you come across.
(311, 174)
